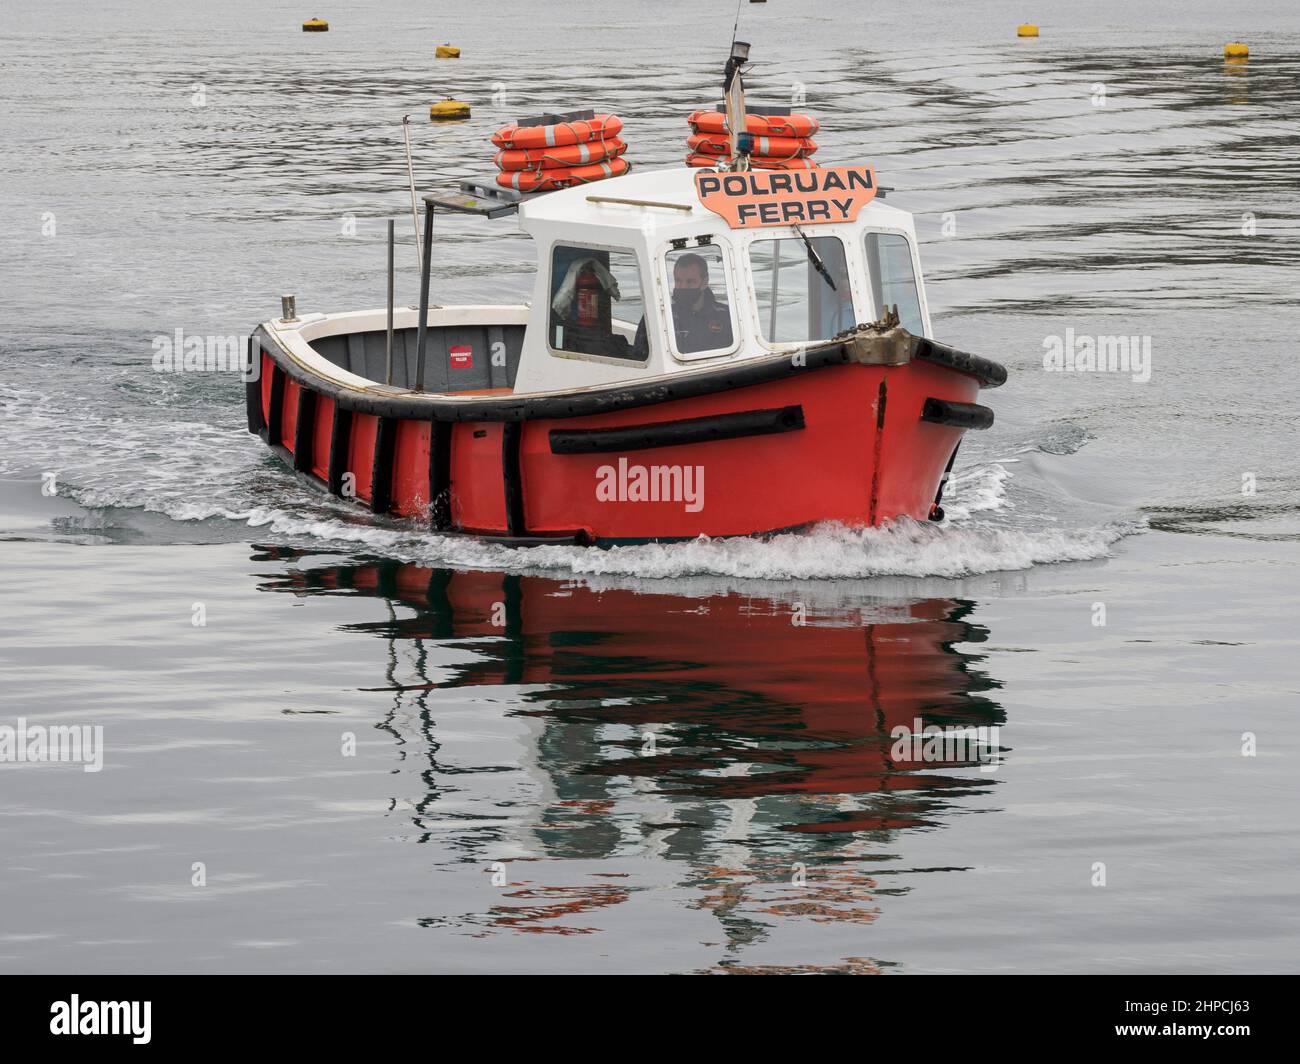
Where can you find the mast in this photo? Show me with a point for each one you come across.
(733, 91)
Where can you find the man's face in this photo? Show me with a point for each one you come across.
(687, 278)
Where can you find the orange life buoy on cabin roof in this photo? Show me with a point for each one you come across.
(599, 128)
(555, 158)
(561, 177)
(758, 162)
(768, 147)
(761, 125)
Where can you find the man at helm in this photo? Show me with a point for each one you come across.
(700, 322)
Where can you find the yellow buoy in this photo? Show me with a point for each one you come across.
(1235, 50)
(315, 25)
(447, 51)
(447, 110)
(1027, 30)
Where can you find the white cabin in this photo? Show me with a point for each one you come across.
(633, 233)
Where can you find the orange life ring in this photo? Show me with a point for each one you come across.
(756, 161)
(601, 127)
(555, 158)
(562, 177)
(768, 147)
(761, 125)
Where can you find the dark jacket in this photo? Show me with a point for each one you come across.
(705, 329)
(696, 330)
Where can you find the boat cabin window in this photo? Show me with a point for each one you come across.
(597, 303)
(893, 282)
(802, 288)
(700, 311)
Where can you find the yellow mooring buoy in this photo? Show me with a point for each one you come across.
(315, 25)
(448, 110)
(1235, 50)
(447, 51)
(1027, 30)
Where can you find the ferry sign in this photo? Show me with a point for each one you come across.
(753, 199)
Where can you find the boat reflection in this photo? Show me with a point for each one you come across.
(745, 739)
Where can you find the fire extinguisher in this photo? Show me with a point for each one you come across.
(588, 301)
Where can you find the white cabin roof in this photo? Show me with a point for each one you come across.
(676, 186)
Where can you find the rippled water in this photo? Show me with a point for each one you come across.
(673, 775)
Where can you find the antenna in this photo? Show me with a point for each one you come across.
(733, 93)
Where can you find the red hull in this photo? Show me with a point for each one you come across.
(846, 442)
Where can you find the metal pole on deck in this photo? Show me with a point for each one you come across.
(776, 274)
(425, 267)
(388, 341)
(410, 176)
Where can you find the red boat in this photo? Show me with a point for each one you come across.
(689, 365)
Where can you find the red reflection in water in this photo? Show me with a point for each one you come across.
(748, 718)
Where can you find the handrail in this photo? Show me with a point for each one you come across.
(641, 203)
